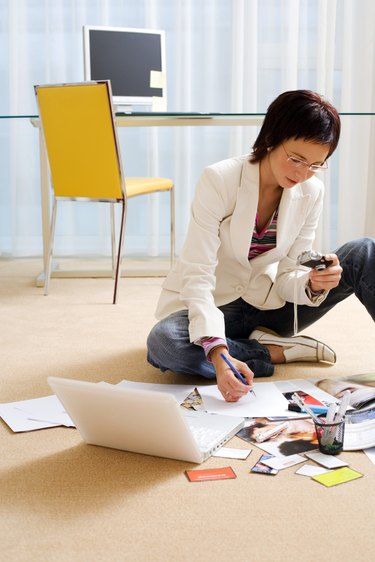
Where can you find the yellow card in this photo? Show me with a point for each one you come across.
(338, 476)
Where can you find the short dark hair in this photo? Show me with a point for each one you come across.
(298, 114)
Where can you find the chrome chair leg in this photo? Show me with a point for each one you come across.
(173, 232)
(113, 239)
(47, 273)
(120, 245)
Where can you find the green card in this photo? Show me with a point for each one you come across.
(338, 476)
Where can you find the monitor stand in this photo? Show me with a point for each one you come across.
(138, 108)
(123, 108)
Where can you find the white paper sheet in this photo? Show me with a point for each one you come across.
(179, 391)
(370, 454)
(268, 401)
(37, 413)
(231, 453)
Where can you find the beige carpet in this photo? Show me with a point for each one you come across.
(62, 500)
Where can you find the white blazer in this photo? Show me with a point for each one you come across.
(214, 268)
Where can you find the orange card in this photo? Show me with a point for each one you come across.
(204, 475)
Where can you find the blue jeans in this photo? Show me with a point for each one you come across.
(168, 343)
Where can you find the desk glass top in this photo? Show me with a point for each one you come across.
(190, 115)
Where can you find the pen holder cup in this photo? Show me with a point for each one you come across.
(330, 437)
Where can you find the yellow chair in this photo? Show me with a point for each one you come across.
(84, 158)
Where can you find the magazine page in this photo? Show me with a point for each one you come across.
(297, 436)
(305, 388)
(360, 422)
(359, 416)
(362, 388)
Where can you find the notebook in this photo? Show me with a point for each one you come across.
(142, 421)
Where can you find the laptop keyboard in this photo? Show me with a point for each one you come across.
(206, 437)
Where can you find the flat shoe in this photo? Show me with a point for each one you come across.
(297, 348)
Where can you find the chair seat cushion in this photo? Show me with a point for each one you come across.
(142, 186)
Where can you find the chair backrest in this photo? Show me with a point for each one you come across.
(81, 140)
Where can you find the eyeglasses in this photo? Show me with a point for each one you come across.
(299, 164)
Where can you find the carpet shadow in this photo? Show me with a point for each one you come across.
(82, 478)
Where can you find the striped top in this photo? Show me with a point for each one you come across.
(261, 242)
(264, 240)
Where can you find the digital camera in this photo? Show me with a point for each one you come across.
(313, 259)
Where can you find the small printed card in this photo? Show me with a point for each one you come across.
(310, 470)
(328, 461)
(230, 453)
(339, 476)
(262, 468)
(206, 474)
(283, 462)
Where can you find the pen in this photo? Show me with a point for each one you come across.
(235, 372)
(328, 436)
(343, 406)
(302, 405)
(331, 413)
(313, 407)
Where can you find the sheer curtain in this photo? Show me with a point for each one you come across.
(222, 56)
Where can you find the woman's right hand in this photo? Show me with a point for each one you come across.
(230, 387)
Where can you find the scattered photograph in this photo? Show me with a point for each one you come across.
(307, 398)
(193, 401)
(298, 437)
(261, 468)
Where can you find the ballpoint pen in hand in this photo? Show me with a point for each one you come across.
(235, 372)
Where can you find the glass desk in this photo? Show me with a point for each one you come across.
(137, 119)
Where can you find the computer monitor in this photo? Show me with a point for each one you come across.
(132, 59)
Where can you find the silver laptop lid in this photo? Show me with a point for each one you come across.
(140, 421)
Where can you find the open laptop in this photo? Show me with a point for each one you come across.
(142, 421)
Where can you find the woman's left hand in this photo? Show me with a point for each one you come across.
(326, 279)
